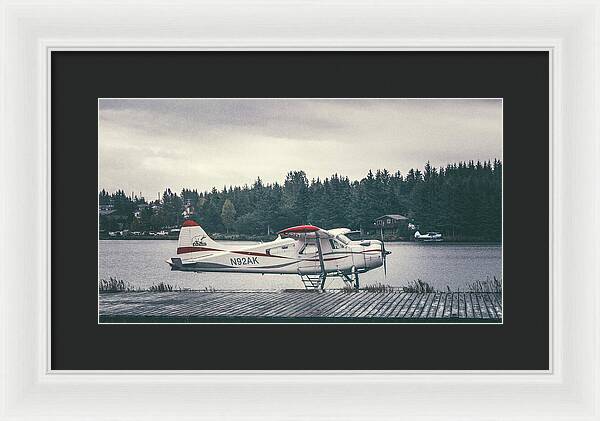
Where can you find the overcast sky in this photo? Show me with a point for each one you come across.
(147, 145)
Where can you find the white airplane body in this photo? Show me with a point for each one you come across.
(304, 250)
(429, 237)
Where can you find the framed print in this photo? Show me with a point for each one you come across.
(327, 213)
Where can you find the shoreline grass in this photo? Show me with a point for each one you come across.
(494, 285)
(420, 287)
(115, 285)
(161, 287)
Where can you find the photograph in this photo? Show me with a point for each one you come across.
(300, 210)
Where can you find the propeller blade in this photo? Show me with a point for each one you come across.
(384, 266)
(384, 254)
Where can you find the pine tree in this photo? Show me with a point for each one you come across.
(228, 214)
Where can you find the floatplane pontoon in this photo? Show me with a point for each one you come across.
(306, 250)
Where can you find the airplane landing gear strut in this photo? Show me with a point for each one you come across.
(355, 272)
(322, 278)
(323, 274)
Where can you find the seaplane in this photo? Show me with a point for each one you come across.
(311, 252)
(430, 237)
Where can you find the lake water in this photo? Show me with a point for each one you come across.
(143, 263)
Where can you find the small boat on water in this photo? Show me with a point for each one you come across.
(430, 237)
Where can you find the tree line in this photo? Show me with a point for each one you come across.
(462, 200)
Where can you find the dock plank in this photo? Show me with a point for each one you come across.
(497, 302)
(379, 299)
(448, 306)
(430, 302)
(455, 305)
(348, 304)
(284, 305)
(330, 307)
(441, 306)
(490, 306)
(482, 306)
(379, 308)
(406, 306)
(332, 300)
(388, 308)
(462, 309)
(417, 305)
(318, 301)
(476, 309)
(363, 305)
(431, 311)
(468, 306)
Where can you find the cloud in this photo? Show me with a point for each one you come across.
(147, 145)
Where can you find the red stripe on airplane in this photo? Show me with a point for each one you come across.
(183, 250)
(254, 253)
(325, 259)
(335, 258)
(300, 228)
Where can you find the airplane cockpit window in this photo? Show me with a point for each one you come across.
(335, 244)
(310, 247)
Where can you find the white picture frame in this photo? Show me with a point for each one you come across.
(568, 30)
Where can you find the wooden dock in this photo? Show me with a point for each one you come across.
(291, 306)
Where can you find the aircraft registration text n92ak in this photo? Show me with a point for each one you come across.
(243, 261)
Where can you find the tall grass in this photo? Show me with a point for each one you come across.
(378, 287)
(418, 286)
(119, 285)
(161, 287)
(494, 285)
(115, 285)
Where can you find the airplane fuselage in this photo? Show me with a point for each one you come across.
(282, 256)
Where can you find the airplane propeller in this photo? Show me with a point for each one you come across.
(384, 254)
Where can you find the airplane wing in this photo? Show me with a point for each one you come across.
(343, 231)
(304, 231)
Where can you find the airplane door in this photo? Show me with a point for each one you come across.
(285, 250)
(309, 255)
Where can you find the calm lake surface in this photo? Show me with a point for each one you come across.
(143, 263)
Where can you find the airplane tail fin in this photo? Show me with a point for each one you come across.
(193, 239)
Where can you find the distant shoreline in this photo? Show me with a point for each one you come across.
(265, 239)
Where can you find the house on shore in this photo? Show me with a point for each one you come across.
(393, 226)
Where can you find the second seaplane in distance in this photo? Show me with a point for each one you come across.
(306, 250)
